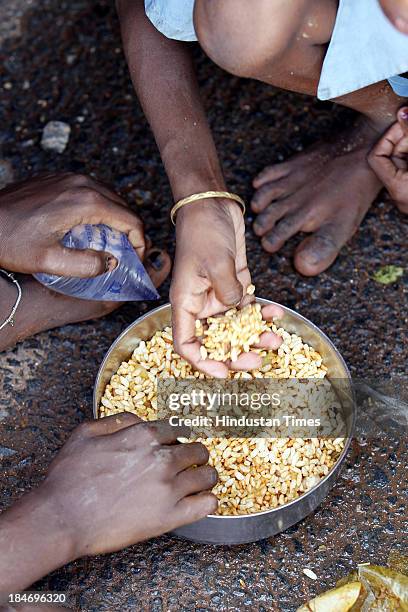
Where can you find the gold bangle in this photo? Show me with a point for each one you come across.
(203, 196)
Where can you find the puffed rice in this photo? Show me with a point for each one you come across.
(255, 474)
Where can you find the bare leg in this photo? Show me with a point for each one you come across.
(41, 309)
(327, 190)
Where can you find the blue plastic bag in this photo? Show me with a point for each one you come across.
(129, 281)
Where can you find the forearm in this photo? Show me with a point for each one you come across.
(33, 542)
(163, 75)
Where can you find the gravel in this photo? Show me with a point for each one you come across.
(55, 136)
(6, 173)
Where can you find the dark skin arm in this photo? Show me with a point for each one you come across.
(163, 74)
(211, 271)
(116, 482)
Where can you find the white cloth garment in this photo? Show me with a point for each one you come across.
(173, 18)
(365, 48)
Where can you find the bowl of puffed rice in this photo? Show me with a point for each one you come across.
(266, 484)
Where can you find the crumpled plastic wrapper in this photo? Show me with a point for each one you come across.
(371, 588)
(129, 280)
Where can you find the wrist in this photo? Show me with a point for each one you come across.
(57, 513)
(208, 210)
(3, 234)
(190, 157)
(8, 295)
(34, 541)
(196, 185)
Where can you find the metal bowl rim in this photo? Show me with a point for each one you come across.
(265, 302)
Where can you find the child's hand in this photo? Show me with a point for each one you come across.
(389, 160)
(37, 213)
(210, 275)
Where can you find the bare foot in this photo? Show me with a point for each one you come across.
(325, 191)
(41, 309)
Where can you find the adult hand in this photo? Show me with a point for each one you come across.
(36, 214)
(210, 275)
(116, 481)
(389, 160)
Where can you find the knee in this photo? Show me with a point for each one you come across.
(397, 13)
(241, 40)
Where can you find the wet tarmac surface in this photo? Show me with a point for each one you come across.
(68, 66)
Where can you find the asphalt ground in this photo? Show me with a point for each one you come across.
(63, 61)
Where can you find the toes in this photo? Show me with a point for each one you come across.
(158, 265)
(285, 229)
(266, 220)
(317, 252)
(271, 173)
(268, 193)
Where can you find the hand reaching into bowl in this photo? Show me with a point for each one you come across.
(210, 276)
(116, 482)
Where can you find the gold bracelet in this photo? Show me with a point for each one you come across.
(196, 197)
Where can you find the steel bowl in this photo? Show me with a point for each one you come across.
(246, 528)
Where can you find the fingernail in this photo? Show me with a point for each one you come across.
(404, 114)
(155, 259)
(110, 263)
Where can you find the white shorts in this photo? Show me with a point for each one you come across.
(365, 48)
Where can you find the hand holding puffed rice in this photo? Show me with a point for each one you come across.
(209, 275)
(227, 337)
(223, 342)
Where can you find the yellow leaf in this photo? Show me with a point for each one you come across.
(340, 599)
